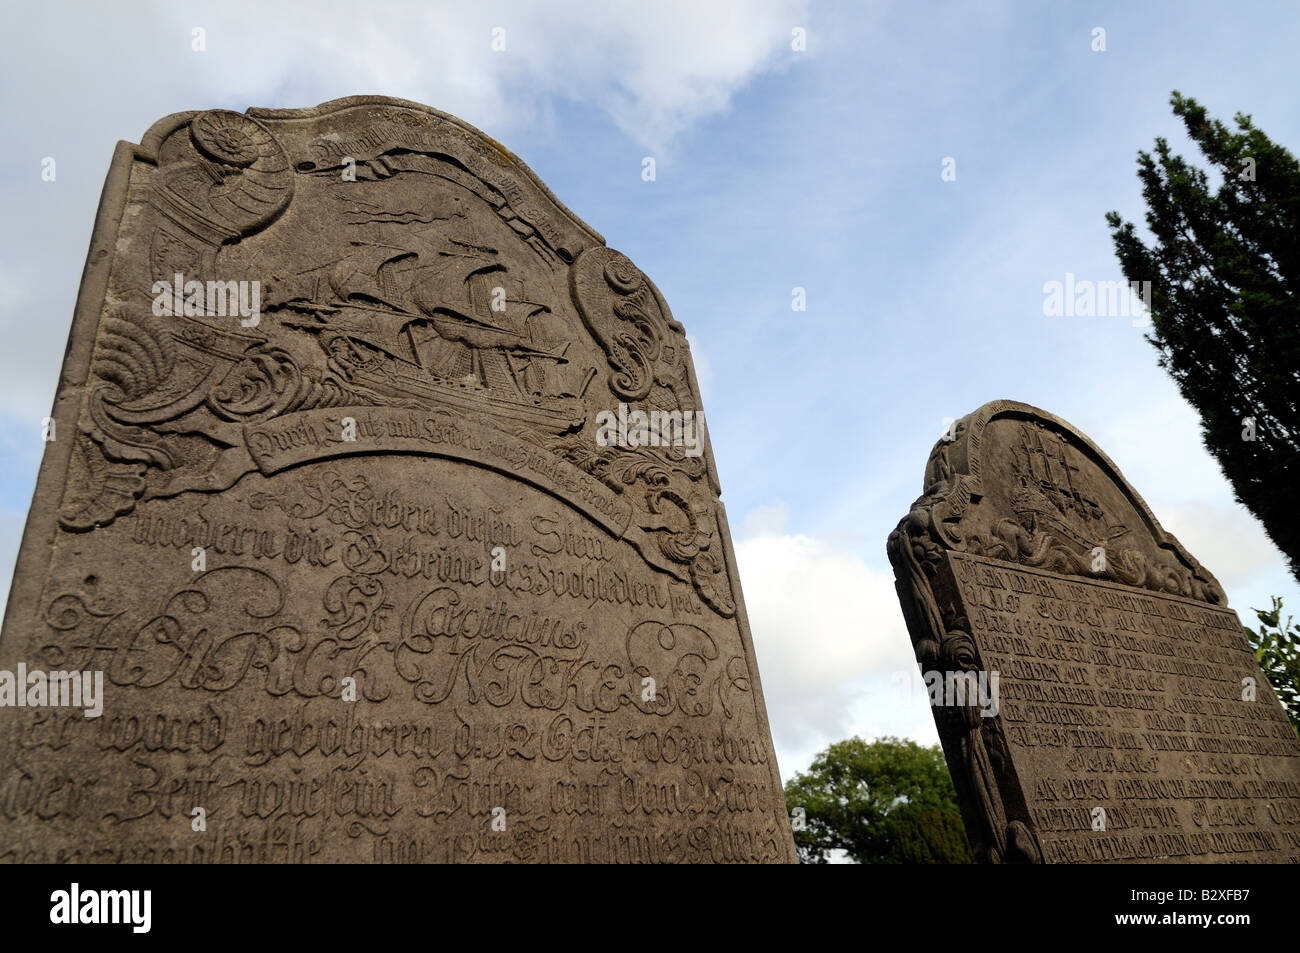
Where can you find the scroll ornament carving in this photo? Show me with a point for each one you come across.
(646, 354)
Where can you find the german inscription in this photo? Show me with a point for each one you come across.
(1131, 722)
(328, 516)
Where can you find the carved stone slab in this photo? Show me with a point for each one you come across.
(328, 509)
(1112, 710)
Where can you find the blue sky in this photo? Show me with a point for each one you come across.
(775, 169)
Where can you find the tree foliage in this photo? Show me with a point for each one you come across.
(1225, 302)
(883, 802)
(1277, 649)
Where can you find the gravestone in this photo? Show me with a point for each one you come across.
(379, 515)
(1096, 698)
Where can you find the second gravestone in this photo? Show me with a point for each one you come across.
(377, 523)
(1096, 698)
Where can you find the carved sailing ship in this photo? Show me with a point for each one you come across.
(1047, 498)
(452, 326)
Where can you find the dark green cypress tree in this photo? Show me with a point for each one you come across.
(1225, 273)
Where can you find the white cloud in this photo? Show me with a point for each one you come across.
(11, 529)
(832, 648)
(768, 520)
(653, 70)
(1226, 538)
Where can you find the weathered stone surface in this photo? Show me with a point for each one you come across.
(1123, 727)
(384, 481)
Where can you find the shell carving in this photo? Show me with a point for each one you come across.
(259, 183)
(246, 179)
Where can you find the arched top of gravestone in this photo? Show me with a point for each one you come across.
(391, 126)
(1013, 482)
(398, 273)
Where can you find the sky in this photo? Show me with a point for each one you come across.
(777, 168)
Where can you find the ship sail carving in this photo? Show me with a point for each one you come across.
(449, 324)
(1048, 498)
